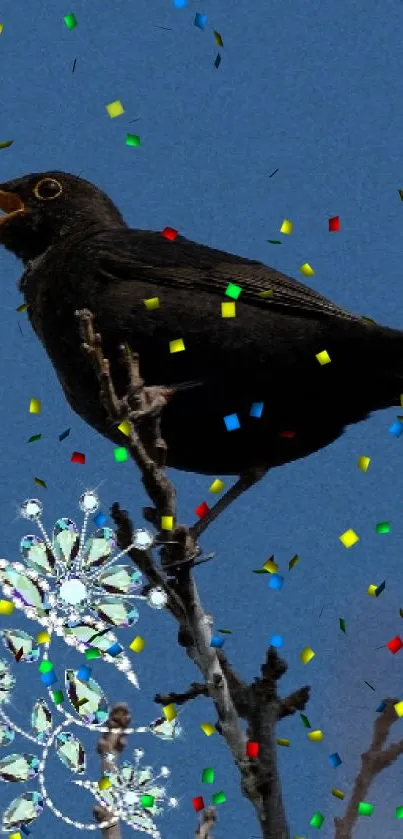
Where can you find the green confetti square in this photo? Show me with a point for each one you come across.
(383, 527)
(218, 798)
(58, 697)
(70, 21)
(34, 438)
(208, 776)
(121, 454)
(147, 800)
(132, 140)
(92, 653)
(317, 820)
(342, 624)
(233, 291)
(305, 721)
(365, 809)
(45, 666)
(399, 812)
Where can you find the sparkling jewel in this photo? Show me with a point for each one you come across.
(36, 555)
(18, 767)
(23, 810)
(70, 751)
(31, 509)
(73, 592)
(157, 598)
(41, 720)
(117, 612)
(7, 734)
(120, 579)
(99, 547)
(16, 640)
(89, 501)
(64, 539)
(142, 539)
(7, 681)
(95, 709)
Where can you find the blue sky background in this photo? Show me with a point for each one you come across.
(315, 91)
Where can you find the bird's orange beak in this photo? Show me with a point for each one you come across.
(11, 204)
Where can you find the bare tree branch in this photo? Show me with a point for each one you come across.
(111, 743)
(195, 689)
(207, 822)
(373, 761)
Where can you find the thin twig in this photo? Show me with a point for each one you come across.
(207, 822)
(196, 689)
(112, 743)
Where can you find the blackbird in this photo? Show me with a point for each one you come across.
(280, 370)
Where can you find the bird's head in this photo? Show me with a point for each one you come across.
(40, 208)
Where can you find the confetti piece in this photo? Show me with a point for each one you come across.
(276, 582)
(398, 813)
(382, 527)
(208, 728)
(252, 749)
(100, 519)
(115, 109)
(323, 357)
(232, 422)
(363, 463)
(380, 589)
(132, 140)
(282, 741)
(218, 798)
(401, 613)
(200, 20)
(396, 429)
(169, 233)
(217, 642)
(70, 21)
(45, 666)
(104, 782)
(121, 454)
(370, 686)
(218, 39)
(287, 227)
(83, 673)
(307, 270)
(167, 522)
(125, 427)
(372, 590)
(233, 291)
(365, 809)
(228, 310)
(40, 483)
(64, 434)
(305, 721)
(395, 644)
(399, 708)
(306, 655)
(217, 61)
(217, 486)
(57, 696)
(198, 803)
(274, 241)
(15, 836)
(338, 794)
(92, 653)
(147, 801)
(152, 303)
(43, 637)
(78, 457)
(34, 438)
(208, 776)
(6, 607)
(176, 346)
(138, 644)
(267, 293)
(225, 631)
(293, 562)
(334, 224)
(169, 712)
(269, 566)
(342, 624)
(114, 650)
(381, 708)
(400, 191)
(335, 759)
(349, 538)
(315, 736)
(49, 678)
(19, 654)
(35, 406)
(317, 820)
(24, 306)
(256, 410)
(276, 641)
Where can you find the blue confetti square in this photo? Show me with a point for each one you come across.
(335, 759)
(381, 707)
(232, 422)
(256, 410)
(396, 429)
(180, 4)
(200, 20)
(115, 650)
(276, 582)
(380, 589)
(83, 673)
(276, 641)
(100, 519)
(216, 641)
(24, 829)
(48, 679)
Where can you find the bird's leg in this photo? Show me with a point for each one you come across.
(244, 482)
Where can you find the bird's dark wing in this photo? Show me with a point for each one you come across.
(149, 257)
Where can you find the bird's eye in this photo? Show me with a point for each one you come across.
(48, 188)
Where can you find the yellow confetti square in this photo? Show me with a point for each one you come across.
(176, 346)
(138, 644)
(104, 783)
(338, 794)
(315, 736)
(399, 709)
(217, 486)
(323, 357)
(167, 522)
(43, 637)
(286, 226)
(307, 270)
(349, 538)
(170, 712)
(401, 400)
(282, 741)
(115, 109)
(270, 566)
(152, 303)
(1, 29)
(306, 655)
(15, 835)
(268, 293)
(207, 728)
(371, 590)
(35, 406)
(6, 607)
(125, 427)
(228, 310)
(363, 463)
(293, 562)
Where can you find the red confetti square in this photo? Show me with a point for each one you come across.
(169, 233)
(198, 803)
(289, 435)
(252, 749)
(78, 457)
(395, 644)
(334, 224)
(202, 510)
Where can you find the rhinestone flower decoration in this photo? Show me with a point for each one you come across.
(71, 584)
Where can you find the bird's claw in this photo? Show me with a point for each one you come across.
(147, 402)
